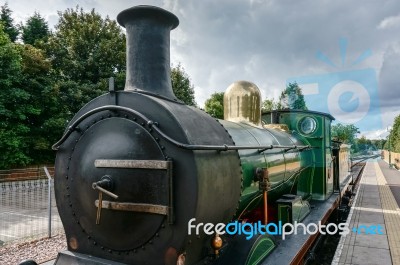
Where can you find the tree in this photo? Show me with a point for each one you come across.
(19, 105)
(8, 23)
(25, 105)
(346, 134)
(38, 81)
(268, 105)
(394, 136)
(42, 87)
(379, 143)
(84, 50)
(363, 144)
(37, 100)
(85, 47)
(35, 29)
(181, 85)
(292, 98)
(11, 133)
(215, 105)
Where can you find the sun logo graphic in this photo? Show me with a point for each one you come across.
(351, 96)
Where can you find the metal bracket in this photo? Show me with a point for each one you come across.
(134, 207)
(138, 207)
(138, 164)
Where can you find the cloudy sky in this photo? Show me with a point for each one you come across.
(344, 54)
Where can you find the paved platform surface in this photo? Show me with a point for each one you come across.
(392, 177)
(374, 220)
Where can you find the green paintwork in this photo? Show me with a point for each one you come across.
(308, 174)
(291, 210)
(317, 181)
(282, 167)
(261, 248)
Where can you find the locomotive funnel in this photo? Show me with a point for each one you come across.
(147, 49)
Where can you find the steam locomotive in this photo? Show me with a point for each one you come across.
(136, 166)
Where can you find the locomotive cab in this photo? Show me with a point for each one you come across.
(313, 128)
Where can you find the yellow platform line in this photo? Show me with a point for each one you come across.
(391, 214)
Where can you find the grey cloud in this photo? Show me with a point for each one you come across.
(269, 41)
(389, 78)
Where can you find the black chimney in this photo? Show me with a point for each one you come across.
(147, 49)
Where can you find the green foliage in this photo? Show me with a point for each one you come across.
(215, 105)
(269, 104)
(41, 91)
(42, 87)
(394, 137)
(292, 98)
(11, 132)
(181, 85)
(85, 50)
(379, 143)
(37, 80)
(18, 106)
(8, 23)
(344, 133)
(363, 145)
(35, 29)
(85, 47)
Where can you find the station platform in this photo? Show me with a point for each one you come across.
(374, 220)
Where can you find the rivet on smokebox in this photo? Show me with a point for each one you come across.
(73, 243)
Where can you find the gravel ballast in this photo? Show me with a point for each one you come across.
(41, 250)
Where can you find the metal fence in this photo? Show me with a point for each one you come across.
(28, 210)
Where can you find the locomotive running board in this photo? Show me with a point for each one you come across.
(167, 165)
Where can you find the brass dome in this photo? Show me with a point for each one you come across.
(242, 103)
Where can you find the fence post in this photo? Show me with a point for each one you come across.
(49, 179)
